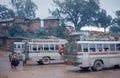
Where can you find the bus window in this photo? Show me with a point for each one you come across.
(23, 46)
(18, 46)
(79, 48)
(92, 47)
(56, 47)
(117, 47)
(99, 47)
(40, 47)
(106, 47)
(85, 47)
(51, 47)
(14, 45)
(112, 47)
(46, 47)
(34, 47)
(30, 48)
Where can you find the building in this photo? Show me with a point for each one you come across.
(51, 22)
(26, 24)
(7, 43)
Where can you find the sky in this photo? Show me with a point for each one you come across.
(43, 5)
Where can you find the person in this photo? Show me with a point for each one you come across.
(61, 49)
(14, 61)
(9, 55)
(23, 59)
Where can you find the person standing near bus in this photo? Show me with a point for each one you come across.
(10, 55)
(14, 61)
(23, 59)
(60, 49)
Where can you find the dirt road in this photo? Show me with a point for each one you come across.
(53, 70)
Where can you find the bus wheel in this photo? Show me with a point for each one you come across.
(98, 65)
(45, 60)
(84, 68)
(39, 62)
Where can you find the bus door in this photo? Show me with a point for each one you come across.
(85, 51)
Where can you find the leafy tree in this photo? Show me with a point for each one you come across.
(6, 13)
(24, 8)
(50, 31)
(60, 31)
(16, 31)
(82, 13)
(115, 29)
(56, 31)
(103, 20)
(117, 19)
(79, 12)
(118, 13)
(41, 33)
(29, 34)
(116, 23)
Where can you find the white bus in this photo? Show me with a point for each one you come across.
(93, 54)
(40, 50)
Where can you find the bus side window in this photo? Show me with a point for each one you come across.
(92, 47)
(106, 47)
(56, 47)
(14, 46)
(112, 47)
(34, 47)
(46, 47)
(40, 47)
(18, 46)
(117, 47)
(23, 46)
(51, 47)
(79, 47)
(85, 47)
(99, 47)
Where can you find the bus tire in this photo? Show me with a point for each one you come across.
(39, 62)
(46, 60)
(98, 65)
(84, 68)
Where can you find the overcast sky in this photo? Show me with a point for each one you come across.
(43, 5)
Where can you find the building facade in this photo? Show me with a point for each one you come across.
(26, 24)
(51, 22)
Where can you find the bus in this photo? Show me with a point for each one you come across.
(40, 50)
(94, 54)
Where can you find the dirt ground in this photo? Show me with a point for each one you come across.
(53, 70)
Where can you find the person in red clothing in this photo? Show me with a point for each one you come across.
(60, 49)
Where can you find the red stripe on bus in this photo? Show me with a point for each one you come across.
(104, 53)
(72, 54)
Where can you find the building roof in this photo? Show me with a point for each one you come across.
(6, 20)
(51, 18)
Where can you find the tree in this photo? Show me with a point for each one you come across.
(117, 19)
(6, 13)
(79, 12)
(103, 20)
(41, 33)
(51, 31)
(29, 34)
(16, 31)
(115, 29)
(116, 23)
(24, 8)
(60, 31)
